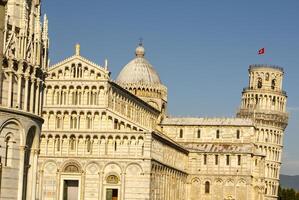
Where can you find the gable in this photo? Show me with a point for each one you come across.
(77, 68)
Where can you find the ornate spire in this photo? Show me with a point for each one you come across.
(77, 49)
(140, 51)
(45, 27)
(106, 64)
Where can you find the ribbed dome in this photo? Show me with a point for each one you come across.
(139, 70)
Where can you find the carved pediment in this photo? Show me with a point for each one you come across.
(77, 68)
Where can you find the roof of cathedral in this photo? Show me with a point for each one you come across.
(224, 148)
(138, 70)
(208, 121)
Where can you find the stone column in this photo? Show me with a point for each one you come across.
(10, 90)
(82, 187)
(40, 188)
(32, 94)
(58, 182)
(41, 97)
(123, 176)
(21, 172)
(34, 174)
(19, 90)
(37, 97)
(101, 178)
(2, 31)
(26, 92)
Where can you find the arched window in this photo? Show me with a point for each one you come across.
(88, 125)
(88, 144)
(80, 70)
(256, 99)
(72, 142)
(57, 143)
(73, 70)
(273, 83)
(238, 134)
(57, 97)
(259, 83)
(64, 97)
(273, 101)
(91, 97)
(181, 133)
(58, 122)
(198, 133)
(207, 187)
(239, 159)
(73, 122)
(217, 134)
(227, 160)
(79, 98)
(267, 77)
(8, 151)
(116, 126)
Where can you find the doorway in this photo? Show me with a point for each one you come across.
(70, 189)
(111, 194)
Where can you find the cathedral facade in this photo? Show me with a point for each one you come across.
(70, 132)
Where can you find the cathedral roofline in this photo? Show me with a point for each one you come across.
(169, 141)
(193, 121)
(133, 96)
(221, 148)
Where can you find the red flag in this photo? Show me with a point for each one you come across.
(261, 51)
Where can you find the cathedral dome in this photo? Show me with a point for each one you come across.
(138, 70)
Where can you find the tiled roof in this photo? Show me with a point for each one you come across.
(207, 121)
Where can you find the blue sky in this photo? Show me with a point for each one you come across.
(201, 49)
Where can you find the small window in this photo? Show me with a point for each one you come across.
(207, 187)
(238, 134)
(259, 83)
(198, 133)
(255, 162)
(267, 77)
(181, 133)
(217, 134)
(227, 160)
(205, 159)
(216, 159)
(239, 159)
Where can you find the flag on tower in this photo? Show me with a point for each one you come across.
(261, 51)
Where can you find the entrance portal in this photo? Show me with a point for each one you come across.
(70, 189)
(111, 194)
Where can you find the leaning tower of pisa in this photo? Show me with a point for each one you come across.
(264, 101)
